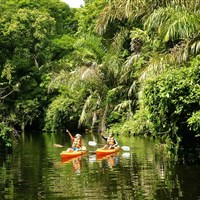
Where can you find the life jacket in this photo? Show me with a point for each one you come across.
(110, 141)
(77, 143)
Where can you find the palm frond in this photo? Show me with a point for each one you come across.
(130, 60)
(120, 10)
(124, 106)
(184, 26)
(132, 89)
(90, 46)
(112, 66)
(173, 23)
(104, 19)
(90, 110)
(119, 40)
(89, 73)
(156, 65)
(103, 119)
(83, 115)
(157, 18)
(57, 80)
(195, 47)
(94, 118)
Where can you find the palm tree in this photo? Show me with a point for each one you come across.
(172, 24)
(86, 76)
(146, 38)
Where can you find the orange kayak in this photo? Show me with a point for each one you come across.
(69, 159)
(102, 151)
(66, 154)
(106, 156)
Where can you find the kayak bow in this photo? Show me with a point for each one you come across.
(66, 154)
(101, 151)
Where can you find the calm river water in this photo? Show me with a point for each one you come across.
(35, 171)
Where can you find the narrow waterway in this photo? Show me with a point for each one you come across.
(36, 171)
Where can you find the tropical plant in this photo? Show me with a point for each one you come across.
(172, 103)
(27, 29)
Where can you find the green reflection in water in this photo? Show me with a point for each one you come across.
(36, 171)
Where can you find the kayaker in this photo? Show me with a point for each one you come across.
(76, 141)
(111, 141)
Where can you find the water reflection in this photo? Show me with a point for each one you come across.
(126, 155)
(108, 160)
(76, 163)
(36, 171)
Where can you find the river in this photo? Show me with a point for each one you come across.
(35, 171)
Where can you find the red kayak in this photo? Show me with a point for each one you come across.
(69, 159)
(102, 151)
(106, 156)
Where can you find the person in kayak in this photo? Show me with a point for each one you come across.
(111, 141)
(76, 142)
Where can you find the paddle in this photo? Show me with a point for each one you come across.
(93, 143)
(61, 146)
(58, 145)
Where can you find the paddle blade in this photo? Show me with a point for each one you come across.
(58, 145)
(125, 148)
(92, 143)
(126, 155)
(83, 148)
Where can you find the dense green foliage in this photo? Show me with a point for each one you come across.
(27, 32)
(173, 105)
(128, 66)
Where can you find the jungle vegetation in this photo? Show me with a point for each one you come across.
(132, 67)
